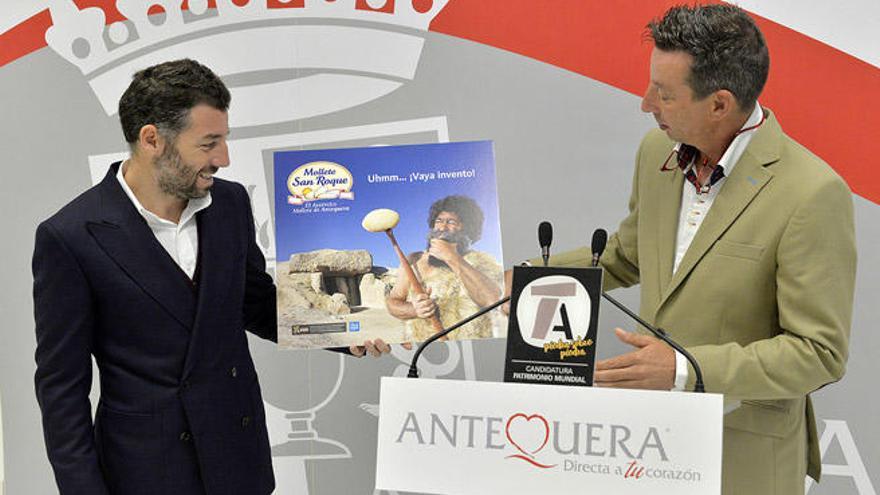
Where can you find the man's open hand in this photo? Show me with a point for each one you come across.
(650, 366)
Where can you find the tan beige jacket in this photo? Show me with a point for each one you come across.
(763, 297)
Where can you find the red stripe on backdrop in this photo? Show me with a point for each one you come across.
(826, 99)
(24, 38)
(821, 95)
(596, 38)
(30, 35)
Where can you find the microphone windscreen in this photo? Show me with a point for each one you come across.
(600, 239)
(545, 234)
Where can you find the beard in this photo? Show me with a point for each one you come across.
(460, 239)
(177, 179)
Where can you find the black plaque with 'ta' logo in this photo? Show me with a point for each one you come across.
(551, 335)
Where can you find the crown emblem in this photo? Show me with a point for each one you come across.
(241, 36)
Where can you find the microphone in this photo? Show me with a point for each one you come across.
(545, 237)
(600, 239)
(413, 366)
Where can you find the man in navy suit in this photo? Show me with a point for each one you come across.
(154, 272)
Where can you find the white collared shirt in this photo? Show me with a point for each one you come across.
(180, 240)
(695, 206)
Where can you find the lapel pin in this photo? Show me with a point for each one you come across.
(752, 180)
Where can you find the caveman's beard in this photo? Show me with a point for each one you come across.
(460, 239)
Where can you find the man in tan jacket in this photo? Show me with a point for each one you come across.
(743, 244)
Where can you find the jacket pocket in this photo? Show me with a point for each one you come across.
(131, 450)
(773, 405)
(775, 418)
(738, 250)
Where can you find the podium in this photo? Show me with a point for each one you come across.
(464, 437)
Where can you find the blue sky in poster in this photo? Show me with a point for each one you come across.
(412, 198)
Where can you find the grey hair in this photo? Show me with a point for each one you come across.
(727, 47)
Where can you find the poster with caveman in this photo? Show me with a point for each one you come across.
(393, 243)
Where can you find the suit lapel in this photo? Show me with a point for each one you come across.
(748, 177)
(126, 238)
(216, 262)
(216, 257)
(667, 212)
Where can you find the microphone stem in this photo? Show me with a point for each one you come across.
(413, 368)
(662, 335)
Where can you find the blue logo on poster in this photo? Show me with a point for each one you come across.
(319, 180)
(354, 326)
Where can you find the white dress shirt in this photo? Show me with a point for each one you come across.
(695, 206)
(180, 240)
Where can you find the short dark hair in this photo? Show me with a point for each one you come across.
(728, 49)
(164, 94)
(468, 211)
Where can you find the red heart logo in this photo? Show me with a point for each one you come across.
(531, 435)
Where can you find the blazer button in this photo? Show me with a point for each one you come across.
(233, 372)
(185, 436)
(245, 421)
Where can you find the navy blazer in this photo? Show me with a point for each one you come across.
(180, 409)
